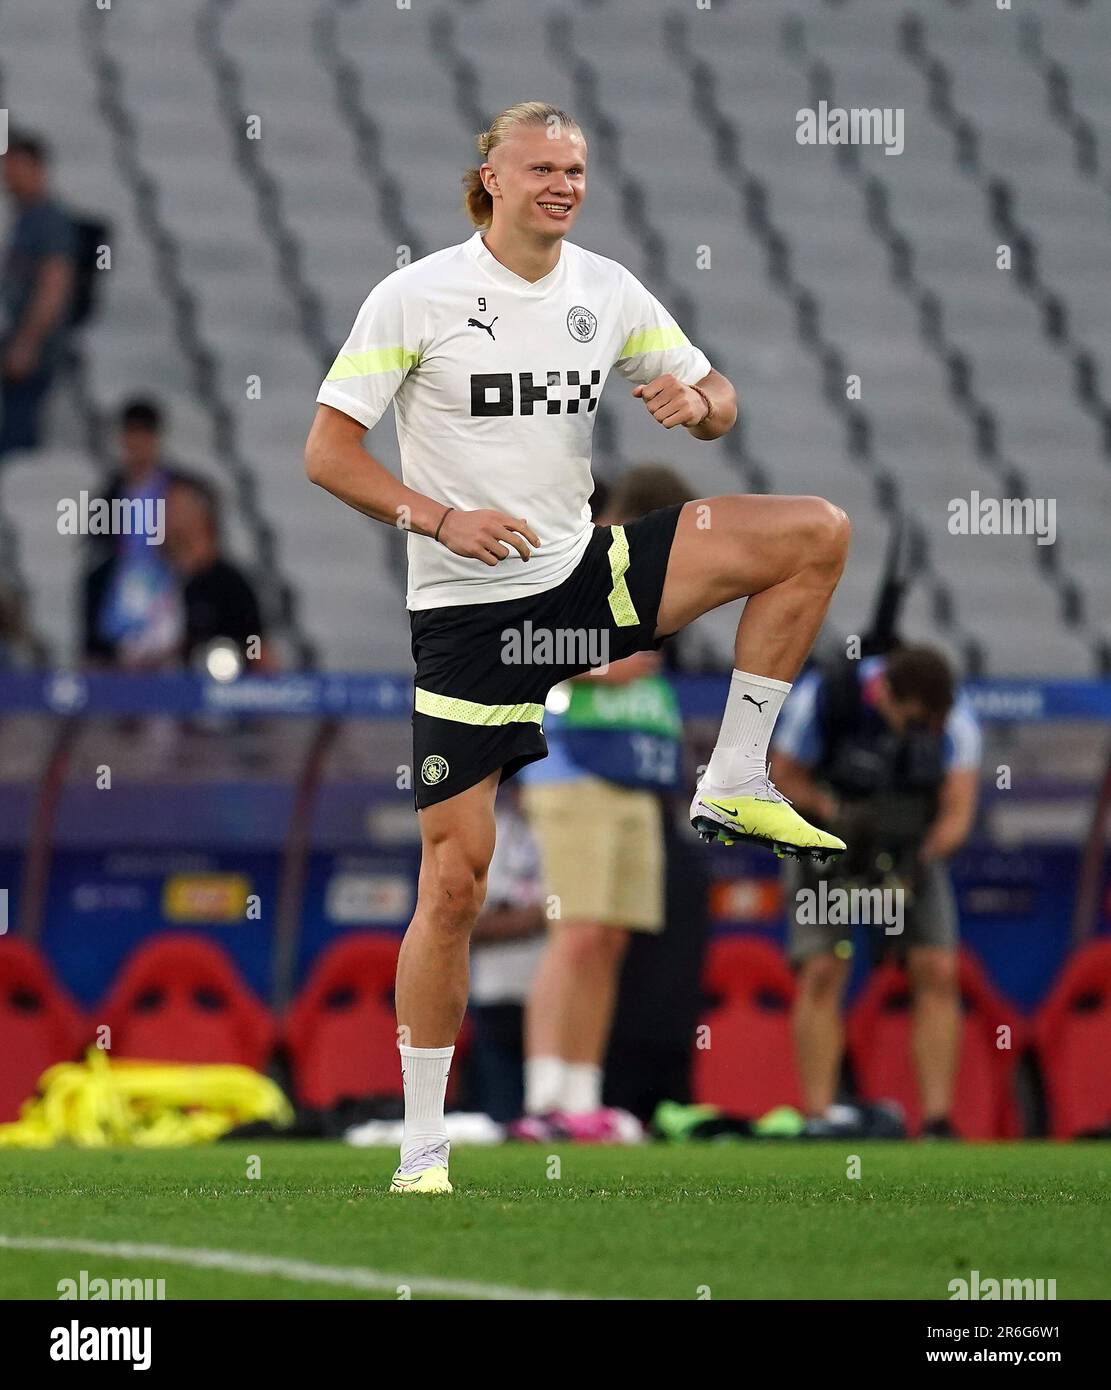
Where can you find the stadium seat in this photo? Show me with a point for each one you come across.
(746, 1063)
(879, 1047)
(256, 255)
(179, 999)
(1072, 1041)
(340, 1031)
(39, 1024)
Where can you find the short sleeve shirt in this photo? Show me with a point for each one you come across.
(495, 383)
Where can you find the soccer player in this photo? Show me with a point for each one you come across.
(494, 353)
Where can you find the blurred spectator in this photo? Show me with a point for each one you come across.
(885, 752)
(158, 605)
(18, 647)
(133, 609)
(220, 604)
(144, 472)
(507, 941)
(36, 288)
(594, 809)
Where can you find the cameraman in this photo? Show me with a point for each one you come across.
(884, 751)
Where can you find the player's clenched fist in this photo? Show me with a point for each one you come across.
(671, 403)
(487, 535)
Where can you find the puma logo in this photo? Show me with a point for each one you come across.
(488, 327)
(758, 703)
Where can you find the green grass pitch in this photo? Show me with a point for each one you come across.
(753, 1220)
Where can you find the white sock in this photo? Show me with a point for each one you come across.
(543, 1084)
(582, 1088)
(739, 763)
(424, 1071)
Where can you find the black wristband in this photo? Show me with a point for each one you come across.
(439, 528)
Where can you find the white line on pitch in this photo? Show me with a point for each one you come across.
(278, 1267)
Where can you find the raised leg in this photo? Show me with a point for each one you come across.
(785, 555)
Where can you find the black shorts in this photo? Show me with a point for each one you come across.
(484, 670)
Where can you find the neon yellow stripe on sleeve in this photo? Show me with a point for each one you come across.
(372, 363)
(653, 340)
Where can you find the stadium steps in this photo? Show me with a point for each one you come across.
(326, 245)
(247, 258)
(725, 118)
(950, 464)
(1010, 139)
(31, 487)
(1002, 330)
(67, 83)
(119, 54)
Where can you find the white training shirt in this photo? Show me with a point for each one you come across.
(495, 384)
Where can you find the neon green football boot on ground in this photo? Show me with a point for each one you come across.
(768, 819)
(428, 1180)
(424, 1170)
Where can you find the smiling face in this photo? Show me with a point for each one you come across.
(537, 181)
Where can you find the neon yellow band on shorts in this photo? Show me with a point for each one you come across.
(471, 712)
(621, 601)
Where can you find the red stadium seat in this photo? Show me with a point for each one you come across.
(39, 1024)
(340, 1031)
(179, 999)
(749, 1066)
(879, 1045)
(1072, 1039)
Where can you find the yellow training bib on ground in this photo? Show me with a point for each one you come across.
(100, 1102)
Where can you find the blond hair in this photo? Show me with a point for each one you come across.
(476, 200)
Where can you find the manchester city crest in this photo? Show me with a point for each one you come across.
(581, 324)
(434, 769)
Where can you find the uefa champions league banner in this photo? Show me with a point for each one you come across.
(79, 693)
(365, 696)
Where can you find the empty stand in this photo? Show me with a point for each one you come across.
(263, 163)
(340, 1031)
(39, 1024)
(879, 1042)
(747, 1065)
(179, 999)
(1072, 1038)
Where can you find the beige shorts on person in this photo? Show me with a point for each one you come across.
(601, 851)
